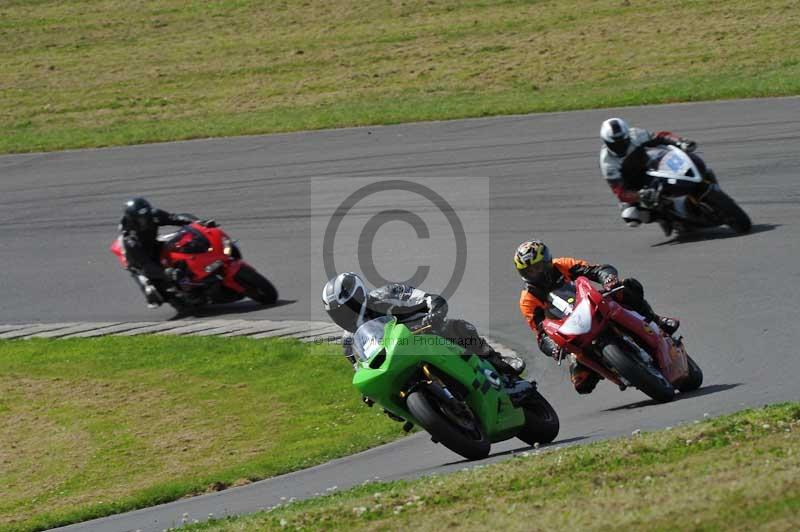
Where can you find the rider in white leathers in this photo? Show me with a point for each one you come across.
(623, 162)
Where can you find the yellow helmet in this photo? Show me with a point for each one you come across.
(533, 261)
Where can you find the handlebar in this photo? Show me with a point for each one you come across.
(605, 293)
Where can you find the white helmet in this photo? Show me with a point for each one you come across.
(345, 300)
(615, 133)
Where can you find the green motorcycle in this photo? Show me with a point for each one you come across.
(457, 397)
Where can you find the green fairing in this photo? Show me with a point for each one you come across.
(405, 354)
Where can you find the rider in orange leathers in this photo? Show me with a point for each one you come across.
(542, 274)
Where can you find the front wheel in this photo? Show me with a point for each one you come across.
(729, 211)
(471, 442)
(647, 379)
(541, 420)
(256, 286)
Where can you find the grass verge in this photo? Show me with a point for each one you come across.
(109, 72)
(737, 472)
(94, 427)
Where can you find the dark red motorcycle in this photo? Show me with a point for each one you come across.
(619, 344)
(213, 269)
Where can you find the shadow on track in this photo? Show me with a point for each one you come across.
(717, 233)
(239, 307)
(524, 448)
(705, 390)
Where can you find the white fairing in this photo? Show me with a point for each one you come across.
(580, 321)
(676, 166)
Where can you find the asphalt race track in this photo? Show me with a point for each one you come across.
(737, 296)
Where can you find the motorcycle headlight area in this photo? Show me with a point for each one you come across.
(580, 321)
(227, 246)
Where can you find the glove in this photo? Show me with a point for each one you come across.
(548, 346)
(208, 223)
(433, 320)
(687, 145)
(611, 283)
(648, 197)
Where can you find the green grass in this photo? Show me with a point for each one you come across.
(738, 472)
(105, 72)
(94, 427)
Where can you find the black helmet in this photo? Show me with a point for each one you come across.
(615, 133)
(138, 214)
(534, 262)
(345, 300)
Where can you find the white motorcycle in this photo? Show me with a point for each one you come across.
(686, 198)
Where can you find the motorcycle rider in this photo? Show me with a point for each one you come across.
(139, 230)
(349, 305)
(623, 162)
(542, 274)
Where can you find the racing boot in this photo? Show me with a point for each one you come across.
(668, 325)
(582, 377)
(153, 296)
(510, 367)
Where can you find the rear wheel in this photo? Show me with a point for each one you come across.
(729, 211)
(256, 286)
(541, 420)
(647, 379)
(464, 436)
(695, 378)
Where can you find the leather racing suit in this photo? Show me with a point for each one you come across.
(142, 248)
(627, 175)
(534, 306)
(414, 307)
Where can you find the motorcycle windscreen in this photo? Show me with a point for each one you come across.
(580, 321)
(188, 240)
(676, 165)
(368, 339)
(561, 301)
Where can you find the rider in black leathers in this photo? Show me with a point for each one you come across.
(139, 230)
(349, 305)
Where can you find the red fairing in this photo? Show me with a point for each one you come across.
(605, 313)
(600, 316)
(117, 249)
(196, 261)
(672, 364)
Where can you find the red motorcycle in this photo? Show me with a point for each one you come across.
(213, 269)
(619, 344)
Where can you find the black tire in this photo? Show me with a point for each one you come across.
(425, 410)
(729, 211)
(256, 286)
(638, 374)
(695, 378)
(541, 420)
